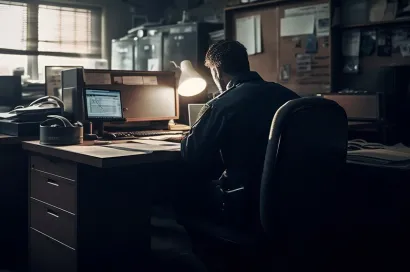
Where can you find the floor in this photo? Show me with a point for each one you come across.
(171, 245)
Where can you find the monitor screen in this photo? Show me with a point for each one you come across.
(357, 107)
(103, 104)
(193, 112)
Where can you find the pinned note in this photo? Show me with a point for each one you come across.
(249, 33)
(97, 78)
(117, 80)
(150, 80)
(295, 26)
(132, 80)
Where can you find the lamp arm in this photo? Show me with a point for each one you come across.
(176, 66)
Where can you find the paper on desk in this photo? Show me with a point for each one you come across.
(160, 137)
(156, 142)
(379, 154)
(99, 151)
(299, 25)
(143, 147)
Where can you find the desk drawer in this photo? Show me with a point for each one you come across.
(53, 222)
(48, 255)
(54, 190)
(56, 167)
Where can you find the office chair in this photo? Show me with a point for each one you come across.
(306, 150)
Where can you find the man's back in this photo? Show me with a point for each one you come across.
(234, 128)
(250, 108)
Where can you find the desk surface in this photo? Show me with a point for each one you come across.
(7, 139)
(101, 156)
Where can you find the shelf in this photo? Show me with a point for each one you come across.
(375, 24)
(255, 4)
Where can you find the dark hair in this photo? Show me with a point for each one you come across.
(229, 56)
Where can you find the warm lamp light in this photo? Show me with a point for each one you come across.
(190, 82)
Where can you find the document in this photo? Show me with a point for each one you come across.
(143, 147)
(322, 24)
(249, 33)
(150, 80)
(118, 80)
(100, 151)
(153, 64)
(300, 11)
(97, 78)
(321, 15)
(156, 142)
(132, 80)
(295, 26)
(303, 63)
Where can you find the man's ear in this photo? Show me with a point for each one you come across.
(218, 73)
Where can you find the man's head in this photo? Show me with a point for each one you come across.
(226, 59)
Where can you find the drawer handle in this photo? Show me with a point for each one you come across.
(50, 212)
(52, 182)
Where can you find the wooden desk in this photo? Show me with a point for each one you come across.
(13, 204)
(90, 206)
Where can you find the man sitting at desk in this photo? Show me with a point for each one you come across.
(230, 137)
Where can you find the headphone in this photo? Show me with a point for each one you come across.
(57, 120)
(59, 131)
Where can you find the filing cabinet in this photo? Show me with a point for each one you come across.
(52, 216)
(84, 217)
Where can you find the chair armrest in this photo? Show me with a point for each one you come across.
(234, 190)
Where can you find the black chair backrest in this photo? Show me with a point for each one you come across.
(306, 150)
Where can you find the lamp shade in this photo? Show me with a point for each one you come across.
(190, 83)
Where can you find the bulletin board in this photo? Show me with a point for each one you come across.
(278, 51)
(294, 56)
(265, 63)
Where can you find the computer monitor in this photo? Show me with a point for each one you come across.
(358, 107)
(10, 92)
(193, 112)
(102, 105)
(53, 79)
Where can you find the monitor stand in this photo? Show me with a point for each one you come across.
(96, 131)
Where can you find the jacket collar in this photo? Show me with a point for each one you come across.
(242, 78)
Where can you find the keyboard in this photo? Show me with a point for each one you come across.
(124, 135)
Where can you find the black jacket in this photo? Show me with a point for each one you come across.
(233, 130)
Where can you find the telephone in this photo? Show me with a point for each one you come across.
(36, 111)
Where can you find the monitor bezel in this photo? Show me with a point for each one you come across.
(101, 119)
(118, 73)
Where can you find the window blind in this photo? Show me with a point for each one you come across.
(13, 25)
(69, 30)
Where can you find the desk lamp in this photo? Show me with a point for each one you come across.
(190, 82)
